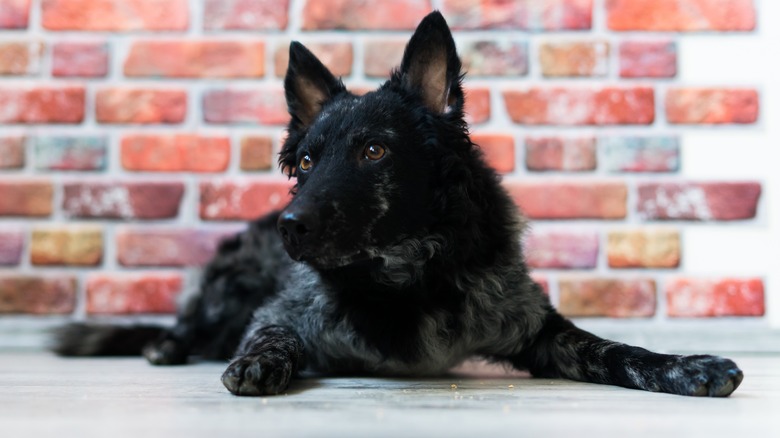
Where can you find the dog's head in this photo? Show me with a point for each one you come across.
(365, 164)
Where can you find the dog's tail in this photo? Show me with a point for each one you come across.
(79, 339)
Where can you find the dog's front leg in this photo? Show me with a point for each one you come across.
(563, 350)
(266, 360)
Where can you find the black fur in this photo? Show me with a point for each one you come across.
(403, 254)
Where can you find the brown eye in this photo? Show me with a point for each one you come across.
(305, 163)
(374, 152)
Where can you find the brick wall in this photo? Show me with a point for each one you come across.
(136, 133)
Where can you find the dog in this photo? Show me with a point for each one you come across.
(399, 254)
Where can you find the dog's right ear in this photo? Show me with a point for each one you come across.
(307, 85)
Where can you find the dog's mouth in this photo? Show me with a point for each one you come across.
(333, 261)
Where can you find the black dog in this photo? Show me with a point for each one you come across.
(398, 255)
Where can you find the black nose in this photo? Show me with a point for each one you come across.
(298, 228)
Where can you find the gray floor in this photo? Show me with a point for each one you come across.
(41, 395)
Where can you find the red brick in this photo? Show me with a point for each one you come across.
(11, 246)
(42, 105)
(648, 59)
(245, 14)
(80, 59)
(70, 153)
(696, 297)
(640, 154)
(674, 15)
(493, 58)
(711, 106)
(255, 106)
(519, 14)
(168, 247)
(196, 59)
(337, 57)
(14, 14)
(52, 294)
(477, 105)
(136, 105)
(175, 153)
(578, 106)
(574, 58)
(721, 201)
(381, 56)
(363, 15)
(545, 199)
(499, 150)
(560, 153)
(74, 246)
(616, 298)
(643, 249)
(256, 153)
(242, 200)
(122, 294)
(12, 152)
(562, 250)
(26, 198)
(115, 15)
(20, 58)
(128, 200)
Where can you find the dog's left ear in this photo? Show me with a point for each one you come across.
(431, 66)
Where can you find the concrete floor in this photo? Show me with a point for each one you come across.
(41, 395)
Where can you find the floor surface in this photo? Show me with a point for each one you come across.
(41, 395)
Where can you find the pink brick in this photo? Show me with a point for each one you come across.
(20, 58)
(14, 14)
(115, 15)
(122, 294)
(175, 153)
(26, 198)
(640, 154)
(251, 106)
(578, 106)
(697, 297)
(381, 56)
(42, 105)
(363, 15)
(11, 246)
(544, 199)
(196, 59)
(711, 106)
(80, 59)
(12, 152)
(675, 15)
(245, 14)
(336, 56)
(616, 298)
(648, 59)
(36, 294)
(242, 200)
(499, 150)
(519, 14)
(580, 58)
(146, 246)
(562, 250)
(477, 105)
(703, 201)
(142, 106)
(494, 58)
(122, 200)
(560, 153)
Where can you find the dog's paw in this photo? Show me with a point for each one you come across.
(702, 376)
(165, 352)
(258, 374)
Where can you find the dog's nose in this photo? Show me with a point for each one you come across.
(297, 228)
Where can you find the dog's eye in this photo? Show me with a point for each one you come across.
(305, 163)
(374, 152)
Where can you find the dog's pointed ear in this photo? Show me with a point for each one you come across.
(430, 65)
(307, 85)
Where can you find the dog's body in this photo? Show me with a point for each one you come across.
(398, 255)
